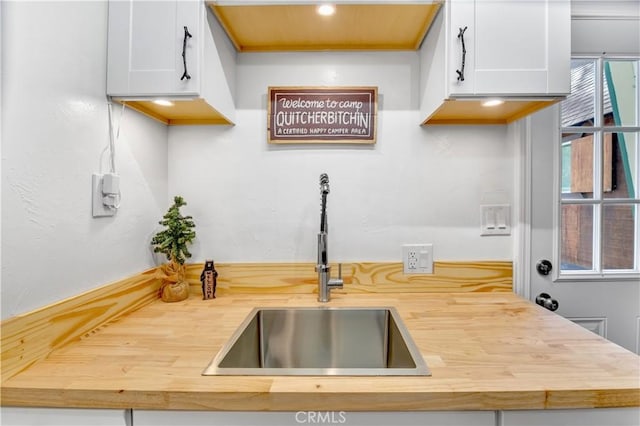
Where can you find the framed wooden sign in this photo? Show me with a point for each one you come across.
(322, 115)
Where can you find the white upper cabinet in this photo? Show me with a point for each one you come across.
(518, 51)
(169, 50)
(145, 48)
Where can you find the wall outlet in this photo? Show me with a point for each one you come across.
(98, 208)
(417, 258)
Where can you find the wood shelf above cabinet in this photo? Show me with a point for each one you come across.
(185, 112)
(472, 112)
(281, 27)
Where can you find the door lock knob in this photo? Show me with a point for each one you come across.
(544, 267)
(546, 301)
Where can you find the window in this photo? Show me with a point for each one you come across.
(599, 203)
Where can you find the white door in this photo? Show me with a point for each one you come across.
(598, 236)
(609, 307)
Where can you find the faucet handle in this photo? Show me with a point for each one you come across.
(336, 282)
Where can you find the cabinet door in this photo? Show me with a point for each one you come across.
(146, 44)
(416, 418)
(22, 416)
(514, 47)
(583, 417)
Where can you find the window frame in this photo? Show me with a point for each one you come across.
(599, 129)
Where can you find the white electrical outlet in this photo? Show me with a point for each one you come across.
(98, 208)
(417, 258)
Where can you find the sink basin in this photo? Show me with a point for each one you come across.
(320, 341)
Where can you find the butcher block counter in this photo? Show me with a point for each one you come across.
(486, 351)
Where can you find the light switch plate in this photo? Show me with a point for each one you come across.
(495, 219)
(417, 258)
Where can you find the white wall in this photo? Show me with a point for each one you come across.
(251, 201)
(258, 202)
(1, 132)
(54, 129)
(226, 54)
(611, 36)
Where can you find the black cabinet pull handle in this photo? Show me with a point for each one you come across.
(460, 72)
(184, 54)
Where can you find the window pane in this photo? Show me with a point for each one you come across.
(577, 166)
(576, 245)
(618, 247)
(578, 109)
(600, 167)
(620, 174)
(620, 93)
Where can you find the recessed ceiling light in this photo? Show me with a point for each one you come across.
(163, 102)
(326, 9)
(492, 102)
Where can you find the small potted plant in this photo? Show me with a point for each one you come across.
(172, 241)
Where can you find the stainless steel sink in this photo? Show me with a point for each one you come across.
(320, 341)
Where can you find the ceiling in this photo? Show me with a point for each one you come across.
(255, 26)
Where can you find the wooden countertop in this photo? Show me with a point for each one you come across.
(485, 351)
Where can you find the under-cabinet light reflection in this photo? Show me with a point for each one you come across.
(163, 102)
(492, 102)
(326, 9)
